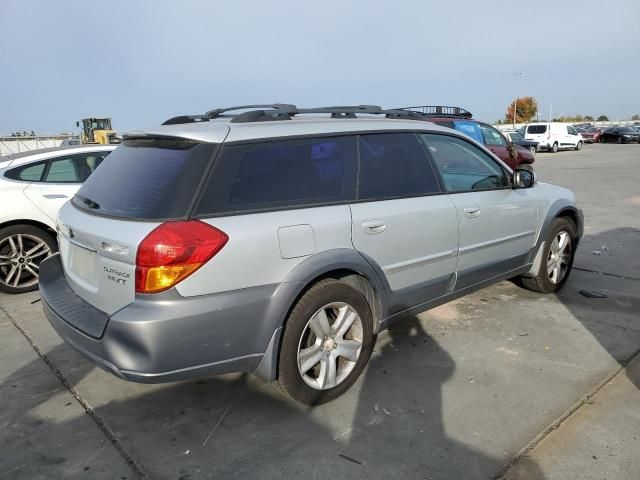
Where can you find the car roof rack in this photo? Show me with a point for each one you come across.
(285, 111)
(439, 111)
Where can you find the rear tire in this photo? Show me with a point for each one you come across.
(579, 146)
(319, 360)
(22, 249)
(555, 255)
(619, 140)
(533, 149)
(554, 148)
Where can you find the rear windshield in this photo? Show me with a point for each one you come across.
(537, 129)
(147, 179)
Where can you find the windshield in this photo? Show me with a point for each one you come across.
(516, 137)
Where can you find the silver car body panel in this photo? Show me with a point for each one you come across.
(99, 256)
(253, 256)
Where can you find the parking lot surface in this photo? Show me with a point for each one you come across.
(503, 382)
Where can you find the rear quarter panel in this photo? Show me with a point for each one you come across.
(256, 250)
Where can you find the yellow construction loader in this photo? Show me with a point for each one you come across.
(98, 130)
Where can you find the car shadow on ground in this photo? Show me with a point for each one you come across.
(237, 427)
(609, 264)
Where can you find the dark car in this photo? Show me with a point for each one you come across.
(589, 135)
(620, 135)
(461, 120)
(519, 139)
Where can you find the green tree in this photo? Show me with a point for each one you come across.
(526, 108)
(588, 118)
(603, 118)
(635, 117)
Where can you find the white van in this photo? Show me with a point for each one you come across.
(553, 136)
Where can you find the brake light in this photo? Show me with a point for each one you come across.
(173, 251)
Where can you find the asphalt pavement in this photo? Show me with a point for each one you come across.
(504, 382)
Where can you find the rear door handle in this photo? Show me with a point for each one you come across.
(371, 227)
(472, 211)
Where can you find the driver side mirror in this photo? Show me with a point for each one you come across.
(523, 178)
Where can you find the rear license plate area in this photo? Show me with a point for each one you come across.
(83, 263)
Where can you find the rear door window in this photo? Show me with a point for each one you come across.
(537, 129)
(147, 179)
(281, 174)
(394, 165)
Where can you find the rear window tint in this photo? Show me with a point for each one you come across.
(150, 179)
(394, 165)
(537, 129)
(281, 174)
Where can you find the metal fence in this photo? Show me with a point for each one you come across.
(10, 144)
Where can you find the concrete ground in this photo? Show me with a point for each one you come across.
(502, 383)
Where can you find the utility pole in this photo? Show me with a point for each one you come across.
(515, 102)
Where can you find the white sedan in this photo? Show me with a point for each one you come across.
(33, 187)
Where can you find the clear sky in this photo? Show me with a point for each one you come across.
(142, 61)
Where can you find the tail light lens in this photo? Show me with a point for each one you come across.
(173, 251)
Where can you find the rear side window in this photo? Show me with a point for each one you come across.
(27, 173)
(150, 179)
(537, 129)
(394, 165)
(281, 174)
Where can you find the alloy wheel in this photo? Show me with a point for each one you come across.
(330, 345)
(20, 257)
(559, 258)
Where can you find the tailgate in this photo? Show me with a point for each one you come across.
(98, 256)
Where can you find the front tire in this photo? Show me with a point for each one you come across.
(327, 341)
(22, 249)
(557, 258)
(533, 149)
(579, 146)
(554, 148)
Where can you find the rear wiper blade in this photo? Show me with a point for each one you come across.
(88, 202)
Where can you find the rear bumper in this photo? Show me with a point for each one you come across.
(166, 337)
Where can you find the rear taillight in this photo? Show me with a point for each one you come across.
(173, 251)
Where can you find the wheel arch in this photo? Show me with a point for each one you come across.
(345, 265)
(33, 223)
(560, 209)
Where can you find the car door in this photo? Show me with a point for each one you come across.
(497, 224)
(402, 221)
(496, 142)
(572, 137)
(61, 179)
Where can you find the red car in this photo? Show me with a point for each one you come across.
(589, 134)
(462, 120)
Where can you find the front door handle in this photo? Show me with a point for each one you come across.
(371, 227)
(53, 196)
(472, 211)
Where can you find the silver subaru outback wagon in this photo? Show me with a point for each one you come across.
(280, 241)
